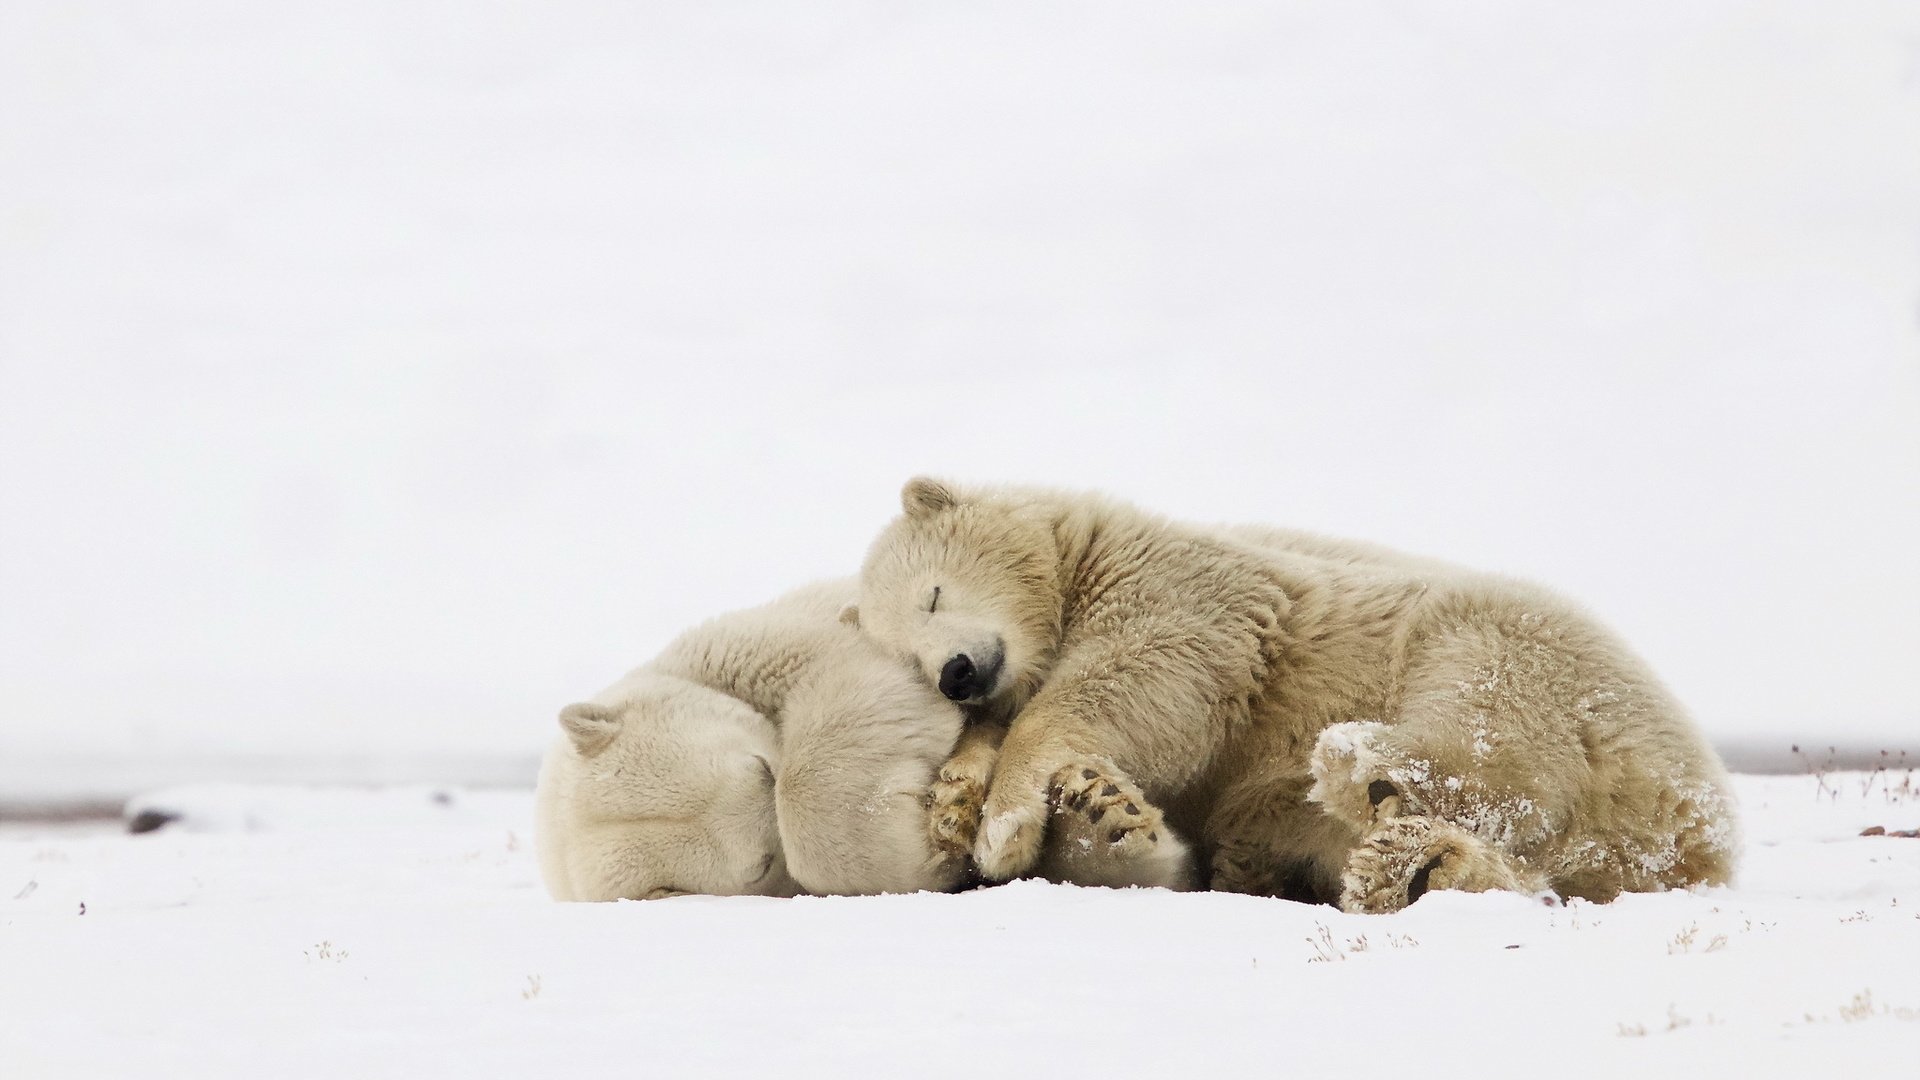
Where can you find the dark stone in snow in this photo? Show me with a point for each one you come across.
(150, 820)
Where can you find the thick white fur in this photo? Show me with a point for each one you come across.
(775, 750)
(766, 751)
(657, 787)
(1332, 720)
(861, 740)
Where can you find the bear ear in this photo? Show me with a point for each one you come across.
(590, 726)
(850, 616)
(924, 495)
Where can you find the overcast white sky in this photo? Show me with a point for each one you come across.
(377, 378)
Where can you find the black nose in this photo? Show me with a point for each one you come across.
(956, 679)
(962, 678)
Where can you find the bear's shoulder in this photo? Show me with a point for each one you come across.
(759, 654)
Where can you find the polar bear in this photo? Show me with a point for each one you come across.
(766, 752)
(1329, 720)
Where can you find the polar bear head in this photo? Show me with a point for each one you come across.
(660, 787)
(967, 586)
(862, 741)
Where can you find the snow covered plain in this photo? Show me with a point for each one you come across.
(403, 932)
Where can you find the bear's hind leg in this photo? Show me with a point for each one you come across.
(1403, 858)
(1358, 776)
(1433, 810)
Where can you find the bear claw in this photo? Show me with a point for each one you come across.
(953, 817)
(1096, 793)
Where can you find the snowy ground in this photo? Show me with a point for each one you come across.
(400, 933)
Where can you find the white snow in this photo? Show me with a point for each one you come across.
(335, 933)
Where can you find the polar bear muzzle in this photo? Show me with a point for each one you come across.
(966, 678)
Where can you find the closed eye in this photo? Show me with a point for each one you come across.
(934, 605)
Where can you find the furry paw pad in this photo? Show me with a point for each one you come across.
(1402, 859)
(1104, 808)
(954, 805)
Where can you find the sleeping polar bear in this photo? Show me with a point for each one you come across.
(1329, 720)
(767, 752)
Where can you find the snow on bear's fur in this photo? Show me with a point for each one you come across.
(1330, 720)
(771, 751)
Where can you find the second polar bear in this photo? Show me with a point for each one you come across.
(766, 751)
(769, 751)
(1328, 720)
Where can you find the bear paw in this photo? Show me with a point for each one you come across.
(1104, 811)
(1009, 841)
(1356, 779)
(1103, 818)
(1402, 859)
(1102, 831)
(954, 803)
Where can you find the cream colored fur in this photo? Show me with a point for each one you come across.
(770, 751)
(766, 751)
(1331, 720)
